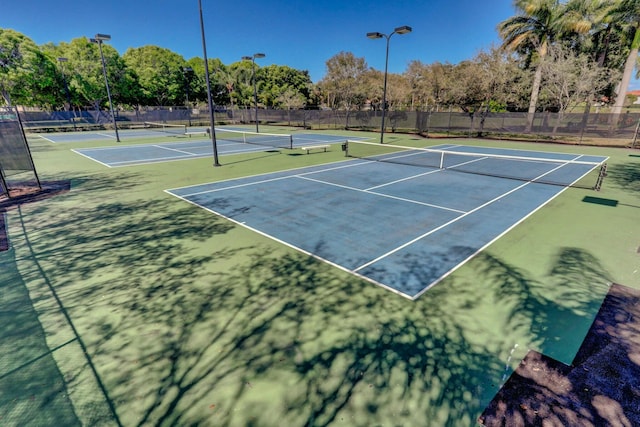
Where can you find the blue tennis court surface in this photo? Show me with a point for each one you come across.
(103, 135)
(401, 227)
(189, 148)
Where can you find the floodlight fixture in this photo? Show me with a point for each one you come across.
(102, 37)
(252, 58)
(402, 30)
(377, 35)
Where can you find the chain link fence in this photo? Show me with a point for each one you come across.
(575, 126)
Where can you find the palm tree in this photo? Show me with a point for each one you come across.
(626, 12)
(588, 27)
(589, 30)
(228, 76)
(530, 33)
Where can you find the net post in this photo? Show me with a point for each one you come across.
(442, 160)
(290, 142)
(601, 175)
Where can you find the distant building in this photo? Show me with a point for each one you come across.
(636, 94)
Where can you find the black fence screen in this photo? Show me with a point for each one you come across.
(17, 170)
(575, 125)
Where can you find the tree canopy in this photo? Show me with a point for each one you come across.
(602, 36)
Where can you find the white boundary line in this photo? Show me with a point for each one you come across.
(173, 149)
(402, 180)
(189, 156)
(287, 244)
(495, 199)
(342, 164)
(448, 273)
(90, 158)
(46, 139)
(402, 199)
(356, 162)
(104, 134)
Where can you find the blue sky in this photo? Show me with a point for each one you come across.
(302, 34)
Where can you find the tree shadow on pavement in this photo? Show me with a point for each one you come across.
(187, 319)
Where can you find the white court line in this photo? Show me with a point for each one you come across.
(287, 244)
(359, 163)
(461, 263)
(247, 184)
(173, 149)
(454, 220)
(381, 194)
(345, 164)
(104, 134)
(402, 179)
(46, 139)
(90, 158)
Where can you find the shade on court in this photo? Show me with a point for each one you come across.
(402, 227)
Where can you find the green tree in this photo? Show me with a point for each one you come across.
(430, 84)
(530, 33)
(343, 82)
(570, 78)
(86, 79)
(627, 13)
(160, 73)
(278, 79)
(291, 99)
(27, 75)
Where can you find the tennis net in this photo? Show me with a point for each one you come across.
(166, 128)
(275, 140)
(565, 170)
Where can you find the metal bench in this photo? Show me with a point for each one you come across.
(308, 148)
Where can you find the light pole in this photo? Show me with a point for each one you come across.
(186, 71)
(209, 100)
(62, 60)
(375, 35)
(99, 38)
(253, 77)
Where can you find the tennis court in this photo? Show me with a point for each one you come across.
(145, 131)
(229, 141)
(400, 224)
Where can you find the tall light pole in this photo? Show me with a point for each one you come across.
(186, 72)
(253, 77)
(62, 60)
(375, 35)
(209, 100)
(99, 38)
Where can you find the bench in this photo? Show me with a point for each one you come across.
(315, 147)
(197, 132)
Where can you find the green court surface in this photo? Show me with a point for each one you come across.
(122, 305)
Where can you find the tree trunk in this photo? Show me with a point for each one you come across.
(624, 82)
(6, 96)
(533, 102)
